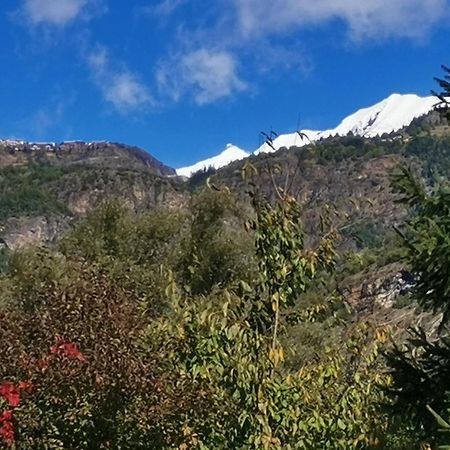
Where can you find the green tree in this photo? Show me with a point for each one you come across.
(427, 240)
(420, 368)
(215, 251)
(228, 345)
(444, 94)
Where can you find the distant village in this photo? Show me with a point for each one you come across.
(18, 145)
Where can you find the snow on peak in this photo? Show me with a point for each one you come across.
(387, 116)
(230, 154)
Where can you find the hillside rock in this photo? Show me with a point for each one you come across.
(382, 292)
(19, 232)
(377, 288)
(355, 194)
(137, 190)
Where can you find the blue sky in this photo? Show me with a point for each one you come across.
(182, 78)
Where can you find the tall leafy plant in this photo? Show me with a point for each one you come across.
(227, 344)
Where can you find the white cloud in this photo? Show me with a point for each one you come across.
(119, 86)
(210, 74)
(54, 12)
(261, 36)
(364, 18)
(98, 60)
(165, 7)
(275, 59)
(126, 92)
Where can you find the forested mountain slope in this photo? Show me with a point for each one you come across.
(43, 187)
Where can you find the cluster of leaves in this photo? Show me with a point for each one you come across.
(131, 248)
(254, 400)
(421, 372)
(216, 251)
(443, 424)
(444, 84)
(9, 399)
(426, 238)
(204, 245)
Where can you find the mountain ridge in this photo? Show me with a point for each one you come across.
(97, 153)
(387, 116)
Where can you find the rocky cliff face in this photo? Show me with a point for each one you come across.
(135, 190)
(85, 190)
(354, 193)
(347, 180)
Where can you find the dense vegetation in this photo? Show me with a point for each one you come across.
(23, 192)
(226, 321)
(193, 329)
(119, 346)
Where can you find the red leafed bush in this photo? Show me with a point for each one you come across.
(76, 338)
(7, 428)
(67, 350)
(10, 394)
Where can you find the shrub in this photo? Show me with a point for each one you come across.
(76, 338)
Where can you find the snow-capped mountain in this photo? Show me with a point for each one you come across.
(230, 154)
(387, 116)
(391, 114)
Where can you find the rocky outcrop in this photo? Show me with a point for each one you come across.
(377, 288)
(19, 232)
(85, 188)
(353, 193)
(138, 192)
(382, 292)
